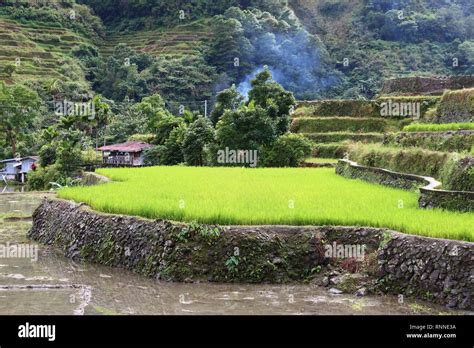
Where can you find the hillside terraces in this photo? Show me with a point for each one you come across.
(173, 42)
(332, 124)
(43, 52)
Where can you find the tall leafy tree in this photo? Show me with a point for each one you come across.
(272, 97)
(19, 109)
(199, 134)
(228, 99)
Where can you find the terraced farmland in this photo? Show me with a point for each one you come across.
(42, 51)
(333, 124)
(170, 42)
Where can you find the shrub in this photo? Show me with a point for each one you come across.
(9, 69)
(456, 106)
(459, 176)
(68, 159)
(330, 150)
(41, 178)
(289, 150)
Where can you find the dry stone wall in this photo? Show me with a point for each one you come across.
(434, 269)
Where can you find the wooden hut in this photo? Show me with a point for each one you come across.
(125, 154)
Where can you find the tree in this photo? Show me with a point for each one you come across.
(247, 128)
(289, 150)
(164, 127)
(153, 109)
(267, 93)
(172, 150)
(121, 76)
(100, 118)
(186, 79)
(199, 134)
(228, 44)
(20, 105)
(228, 99)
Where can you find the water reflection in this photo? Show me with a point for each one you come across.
(13, 188)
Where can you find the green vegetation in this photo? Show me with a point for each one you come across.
(379, 39)
(340, 124)
(453, 170)
(334, 137)
(436, 141)
(436, 127)
(330, 150)
(320, 160)
(342, 107)
(18, 115)
(456, 106)
(289, 150)
(266, 196)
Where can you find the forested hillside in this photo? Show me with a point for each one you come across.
(189, 50)
(183, 53)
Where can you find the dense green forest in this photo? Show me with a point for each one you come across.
(141, 64)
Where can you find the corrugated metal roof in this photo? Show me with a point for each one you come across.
(36, 158)
(129, 146)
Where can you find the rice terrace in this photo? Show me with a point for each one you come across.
(255, 158)
(246, 196)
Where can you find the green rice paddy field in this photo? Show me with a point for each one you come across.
(292, 196)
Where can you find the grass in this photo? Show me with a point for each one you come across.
(265, 196)
(441, 127)
(320, 160)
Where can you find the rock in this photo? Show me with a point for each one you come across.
(434, 275)
(335, 291)
(277, 261)
(325, 281)
(361, 292)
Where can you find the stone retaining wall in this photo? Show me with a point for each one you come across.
(411, 265)
(430, 196)
(426, 85)
(352, 170)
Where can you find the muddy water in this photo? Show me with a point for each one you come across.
(56, 285)
(11, 188)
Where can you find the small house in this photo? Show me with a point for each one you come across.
(18, 168)
(125, 154)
